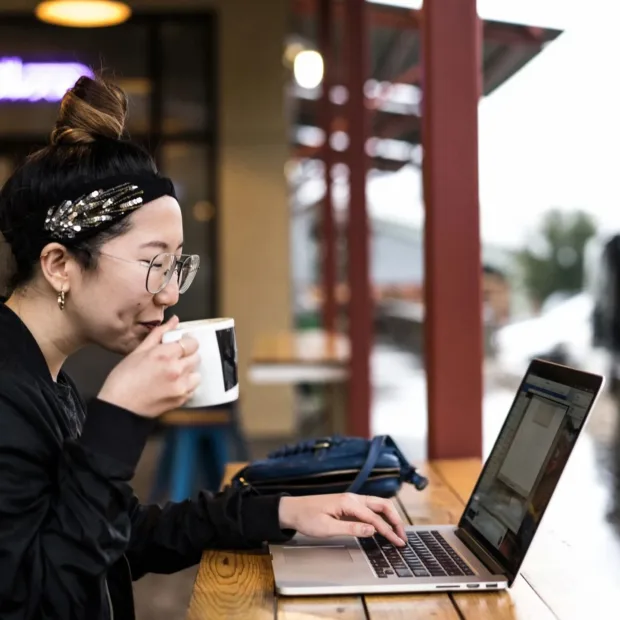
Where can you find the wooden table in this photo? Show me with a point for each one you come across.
(306, 357)
(572, 571)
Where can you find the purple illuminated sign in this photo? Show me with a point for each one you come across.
(38, 81)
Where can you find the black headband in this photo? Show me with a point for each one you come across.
(96, 205)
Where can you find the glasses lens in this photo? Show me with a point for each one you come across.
(160, 272)
(187, 272)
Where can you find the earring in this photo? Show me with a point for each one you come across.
(61, 300)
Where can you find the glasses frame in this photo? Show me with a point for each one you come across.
(179, 262)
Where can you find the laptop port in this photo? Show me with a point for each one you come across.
(473, 586)
(491, 585)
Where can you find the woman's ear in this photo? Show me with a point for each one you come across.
(7, 266)
(56, 266)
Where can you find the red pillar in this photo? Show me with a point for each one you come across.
(360, 302)
(453, 325)
(328, 238)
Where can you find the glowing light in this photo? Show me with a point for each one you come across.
(308, 69)
(83, 13)
(38, 81)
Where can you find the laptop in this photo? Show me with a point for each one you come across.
(486, 549)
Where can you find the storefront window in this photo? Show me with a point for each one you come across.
(186, 92)
(120, 52)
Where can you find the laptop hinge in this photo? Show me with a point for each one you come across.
(480, 552)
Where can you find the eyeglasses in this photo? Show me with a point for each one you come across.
(163, 266)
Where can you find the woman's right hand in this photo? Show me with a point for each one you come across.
(155, 377)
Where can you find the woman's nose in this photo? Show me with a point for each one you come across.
(169, 295)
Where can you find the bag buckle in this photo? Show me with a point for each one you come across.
(321, 444)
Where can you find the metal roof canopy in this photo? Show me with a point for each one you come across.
(395, 58)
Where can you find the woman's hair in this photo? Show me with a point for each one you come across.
(86, 145)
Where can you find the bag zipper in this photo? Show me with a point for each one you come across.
(377, 472)
(284, 483)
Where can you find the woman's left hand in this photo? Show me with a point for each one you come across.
(344, 514)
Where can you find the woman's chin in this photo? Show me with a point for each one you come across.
(123, 346)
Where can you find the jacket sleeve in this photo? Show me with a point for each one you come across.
(170, 538)
(64, 507)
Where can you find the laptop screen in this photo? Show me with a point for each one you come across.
(527, 460)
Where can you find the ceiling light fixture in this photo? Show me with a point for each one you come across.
(83, 13)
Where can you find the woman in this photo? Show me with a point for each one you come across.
(96, 236)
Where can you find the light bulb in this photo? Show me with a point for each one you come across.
(308, 69)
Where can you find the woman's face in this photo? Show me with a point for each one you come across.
(111, 306)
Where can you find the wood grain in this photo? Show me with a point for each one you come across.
(233, 585)
(520, 603)
(459, 476)
(342, 608)
(411, 607)
(437, 504)
(302, 347)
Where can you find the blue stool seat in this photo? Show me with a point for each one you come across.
(196, 449)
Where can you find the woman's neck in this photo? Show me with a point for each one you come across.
(49, 327)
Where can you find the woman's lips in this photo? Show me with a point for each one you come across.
(150, 325)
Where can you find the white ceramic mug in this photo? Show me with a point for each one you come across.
(217, 348)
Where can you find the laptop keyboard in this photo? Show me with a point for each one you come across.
(427, 554)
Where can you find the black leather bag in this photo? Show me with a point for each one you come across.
(333, 465)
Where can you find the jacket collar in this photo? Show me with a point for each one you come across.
(18, 346)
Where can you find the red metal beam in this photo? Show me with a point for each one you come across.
(411, 75)
(377, 15)
(453, 324)
(314, 152)
(329, 240)
(381, 16)
(360, 300)
(395, 125)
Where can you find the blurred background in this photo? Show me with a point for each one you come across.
(229, 96)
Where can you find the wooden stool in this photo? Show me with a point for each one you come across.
(196, 450)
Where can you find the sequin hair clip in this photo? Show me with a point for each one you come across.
(89, 211)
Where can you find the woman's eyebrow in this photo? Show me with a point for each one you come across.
(159, 244)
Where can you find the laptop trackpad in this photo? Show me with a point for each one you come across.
(334, 556)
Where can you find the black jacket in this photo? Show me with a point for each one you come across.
(72, 532)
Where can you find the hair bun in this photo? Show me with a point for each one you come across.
(92, 108)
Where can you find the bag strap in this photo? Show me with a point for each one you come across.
(418, 480)
(376, 445)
